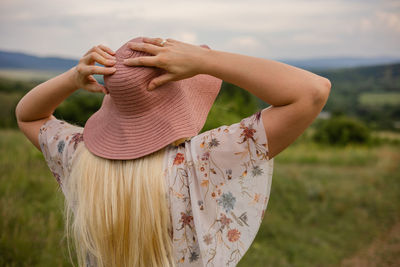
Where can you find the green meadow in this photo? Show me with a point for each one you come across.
(330, 205)
(327, 203)
(379, 99)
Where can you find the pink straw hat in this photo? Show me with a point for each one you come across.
(133, 122)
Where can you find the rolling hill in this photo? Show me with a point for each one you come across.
(371, 93)
(18, 60)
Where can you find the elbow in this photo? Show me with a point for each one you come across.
(322, 91)
(17, 112)
(326, 85)
(17, 115)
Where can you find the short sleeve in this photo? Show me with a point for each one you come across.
(229, 188)
(58, 141)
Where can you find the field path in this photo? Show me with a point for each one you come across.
(382, 252)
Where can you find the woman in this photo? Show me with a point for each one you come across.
(142, 187)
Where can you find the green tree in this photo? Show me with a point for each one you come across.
(341, 130)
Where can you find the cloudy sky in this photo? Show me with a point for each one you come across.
(271, 29)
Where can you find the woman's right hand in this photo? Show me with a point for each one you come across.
(180, 60)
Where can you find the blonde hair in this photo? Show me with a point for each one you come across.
(116, 211)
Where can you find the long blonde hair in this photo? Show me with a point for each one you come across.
(116, 211)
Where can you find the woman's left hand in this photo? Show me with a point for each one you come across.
(83, 72)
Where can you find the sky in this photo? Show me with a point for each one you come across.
(283, 29)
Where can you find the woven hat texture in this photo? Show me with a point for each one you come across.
(133, 122)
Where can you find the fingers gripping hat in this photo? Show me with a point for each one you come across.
(133, 122)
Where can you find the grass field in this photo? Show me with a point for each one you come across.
(379, 99)
(327, 204)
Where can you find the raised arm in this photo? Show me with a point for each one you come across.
(296, 96)
(38, 105)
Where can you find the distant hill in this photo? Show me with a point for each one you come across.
(339, 62)
(382, 77)
(17, 60)
(370, 93)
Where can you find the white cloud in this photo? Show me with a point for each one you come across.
(285, 28)
(243, 43)
(188, 37)
(310, 38)
(389, 19)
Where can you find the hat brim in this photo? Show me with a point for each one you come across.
(110, 134)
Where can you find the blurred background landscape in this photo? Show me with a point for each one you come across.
(335, 195)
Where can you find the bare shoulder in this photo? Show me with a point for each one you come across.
(284, 124)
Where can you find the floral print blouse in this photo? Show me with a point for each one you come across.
(218, 185)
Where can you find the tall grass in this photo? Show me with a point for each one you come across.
(30, 206)
(326, 203)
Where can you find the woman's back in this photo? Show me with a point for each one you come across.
(217, 186)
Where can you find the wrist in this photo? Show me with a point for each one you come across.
(72, 77)
(203, 60)
(207, 61)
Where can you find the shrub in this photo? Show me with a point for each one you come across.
(79, 107)
(341, 130)
(8, 102)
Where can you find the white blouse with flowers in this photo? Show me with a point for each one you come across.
(218, 186)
